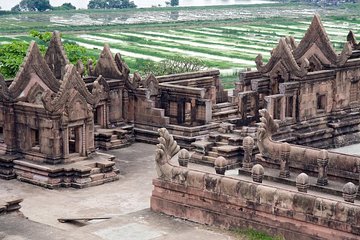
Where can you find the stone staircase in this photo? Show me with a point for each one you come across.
(226, 142)
(224, 111)
(114, 138)
(81, 172)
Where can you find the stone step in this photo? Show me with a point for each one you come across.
(224, 109)
(95, 170)
(225, 113)
(223, 105)
(213, 153)
(96, 177)
(114, 137)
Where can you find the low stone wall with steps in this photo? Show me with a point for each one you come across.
(88, 172)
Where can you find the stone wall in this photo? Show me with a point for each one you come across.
(232, 202)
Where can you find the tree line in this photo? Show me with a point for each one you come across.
(44, 5)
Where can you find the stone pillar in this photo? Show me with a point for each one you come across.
(84, 140)
(66, 141)
(248, 145)
(349, 192)
(257, 173)
(302, 182)
(322, 161)
(242, 105)
(220, 165)
(193, 111)
(282, 108)
(9, 128)
(183, 157)
(125, 106)
(284, 160)
(358, 167)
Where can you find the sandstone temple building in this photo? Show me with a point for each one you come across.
(55, 115)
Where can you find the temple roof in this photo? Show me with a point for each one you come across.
(71, 81)
(55, 56)
(106, 65)
(352, 40)
(33, 63)
(282, 60)
(5, 95)
(316, 41)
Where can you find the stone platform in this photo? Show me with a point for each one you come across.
(97, 169)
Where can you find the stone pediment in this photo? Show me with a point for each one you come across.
(55, 56)
(282, 61)
(152, 85)
(72, 85)
(352, 40)
(316, 42)
(33, 70)
(106, 65)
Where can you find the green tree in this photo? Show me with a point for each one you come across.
(32, 5)
(172, 65)
(109, 4)
(174, 3)
(11, 57)
(65, 6)
(12, 54)
(44, 38)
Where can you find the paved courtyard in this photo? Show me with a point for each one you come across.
(126, 201)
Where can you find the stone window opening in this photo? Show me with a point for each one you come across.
(289, 107)
(1, 134)
(99, 116)
(277, 109)
(75, 143)
(275, 83)
(35, 139)
(187, 112)
(321, 102)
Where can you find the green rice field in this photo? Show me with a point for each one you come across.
(230, 43)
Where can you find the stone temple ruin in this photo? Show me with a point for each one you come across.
(309, 89)
(270, 193)
(305, 97)
(263, 141)
(53, 117)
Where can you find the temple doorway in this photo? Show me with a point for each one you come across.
(99, 116)
(75, 140)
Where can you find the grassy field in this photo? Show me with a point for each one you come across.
(228, 38)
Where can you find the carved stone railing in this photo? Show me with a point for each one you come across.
(229, 202)
(315, 161)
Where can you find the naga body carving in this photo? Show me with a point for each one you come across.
(165, 150)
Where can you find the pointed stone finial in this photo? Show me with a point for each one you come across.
(220, 165)
(183, 157)
(55, 56)
(106, 65)
(248, 145)
(80, 68)
(302, 182)
(349, 192)
(322, 161)
(284, 160)
(257, 173)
